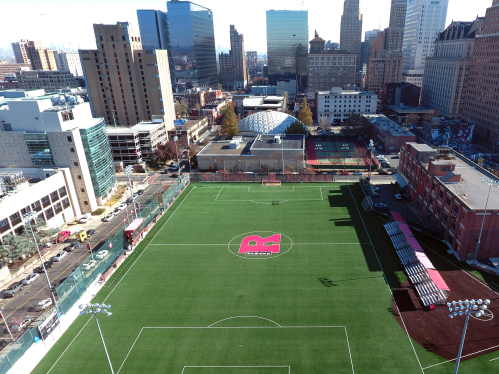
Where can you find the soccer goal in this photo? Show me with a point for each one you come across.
(268, 182)
(367, 204)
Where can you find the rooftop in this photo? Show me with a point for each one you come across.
(142, 126)
(387, 125)
(289, 142)
(406, 109)
(222, 148)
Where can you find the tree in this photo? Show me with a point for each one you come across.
(305, 115)
(296, 128)
(358, 155)
(165, 151)
(411, 119)
(229, 122)
(325, 123)
(428, 116)
(181, 108)
(336, 159)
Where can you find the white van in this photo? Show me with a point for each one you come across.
(85, 218)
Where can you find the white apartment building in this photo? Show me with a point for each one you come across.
(59, 131)
(339, 104)
(446, 73)
(424, 21)
(49, 192)
(69, 61)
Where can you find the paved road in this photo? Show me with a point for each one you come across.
(23, 303)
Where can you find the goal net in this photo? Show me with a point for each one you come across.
(367, 204)
(267, 182)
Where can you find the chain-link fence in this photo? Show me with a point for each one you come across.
(175, 189)
(278, 177)
(17, 350)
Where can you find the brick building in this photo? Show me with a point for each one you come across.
(388, 134)
(447, 188)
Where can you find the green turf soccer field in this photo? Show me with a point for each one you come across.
(189, 301)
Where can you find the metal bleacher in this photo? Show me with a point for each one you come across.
(428, 291)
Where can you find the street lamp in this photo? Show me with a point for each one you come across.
(371, 146)
(93, 309)
(459, 308)
(492, 183)
(128, 171)
(27, 219)
(282, 150)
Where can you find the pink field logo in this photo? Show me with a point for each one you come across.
(256, 245)
(260, 245)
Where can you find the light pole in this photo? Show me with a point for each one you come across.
(128, 170)
(459, 308)
(27, 218)
(175, 138)
(492, 183)
(282, 150)
(6, 325)
(371, 146)
(93, 309)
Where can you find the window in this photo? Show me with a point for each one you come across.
(447, 201)
(72, 150)
(463, 215)
(70, 139)
(441, 194)
(439, 209)
(75, 163)
(456, 209)
(85, 202)
(82, 189)
(78, 176)
(3, 222)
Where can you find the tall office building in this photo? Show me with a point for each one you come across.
(233, 72)
(424, 21)
(369, 37)
(395, 32)
(251, 60)
(69, 61)
(287, 45)
(329, 68)
(152, 27)
(481, 102)
(351, 28)
(446, 73)
(191, 45)
(127, 84)
(32, 52)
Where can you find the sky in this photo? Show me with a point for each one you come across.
(69, 23)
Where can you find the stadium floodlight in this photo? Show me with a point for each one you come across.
(95, 309)
(28, 217)
(128, 171)
(466, 307)
(492, 183)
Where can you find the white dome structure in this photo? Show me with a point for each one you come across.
(269, 122)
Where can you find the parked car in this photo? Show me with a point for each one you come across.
(62, 236)
(44, 304)
(116, 211)
(89, 264)
(398, 196)
(75, 244)
(174, 166)
(382, 172)
(108, 218)
(122, 206)
(47, 245)
(345, 173)
(357, 173)
(69, 248)
(30, 279)
(13, 289)
(47, 264)
(174, 175)
(101, 254)
(60, 256)
(374, 188)
(140, 192)
(381, 205)
(332, 172)
(90, 233)
(85, 218)
(21, 325)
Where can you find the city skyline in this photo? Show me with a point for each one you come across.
(49, 23)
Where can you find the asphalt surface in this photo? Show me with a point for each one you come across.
(23, 304)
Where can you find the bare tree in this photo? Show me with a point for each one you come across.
(336, 159)
(325, 123)
(358, 155)
(411, 119)
(276, 157)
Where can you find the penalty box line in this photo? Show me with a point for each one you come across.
(259, 190)
(277, 366)
(211, 327)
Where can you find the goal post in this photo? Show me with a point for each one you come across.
(268, 182)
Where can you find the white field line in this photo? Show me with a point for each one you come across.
(469, 354)
(219, 193)
(225, 319)
(349, 351)
(320, 189)
(287, 366)
(122, 278)
(211, 327)
(386, 280)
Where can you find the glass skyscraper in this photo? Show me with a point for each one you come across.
(287, 44)
(191, 45)
(152, 26)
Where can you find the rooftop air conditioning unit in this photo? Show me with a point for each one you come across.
(277, 139)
